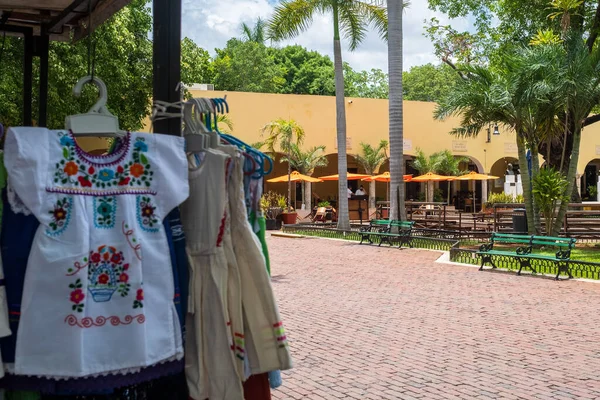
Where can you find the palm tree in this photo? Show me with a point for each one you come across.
(351, 18)
(371, 159)
(395, 9)
(305, 162)
(223, 119)
(286, 133)
(449, 165)
(254, 34)
(425, 164)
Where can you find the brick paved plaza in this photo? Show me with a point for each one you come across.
(379, 323)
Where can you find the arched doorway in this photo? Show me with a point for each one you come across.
(589, 181)
(411, 189)
(500, 168)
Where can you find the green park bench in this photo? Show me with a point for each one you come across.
(523, 253)
(388, 231)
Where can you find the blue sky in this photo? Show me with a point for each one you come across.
(210, 23)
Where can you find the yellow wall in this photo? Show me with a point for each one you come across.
(367, 121)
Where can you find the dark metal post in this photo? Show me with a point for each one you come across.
(167, 59)
(43, 49)
(27, 80)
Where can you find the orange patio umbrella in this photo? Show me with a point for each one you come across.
(385, 177)
(294, 177)
(430, 177)
(351, 177)
(475, 176)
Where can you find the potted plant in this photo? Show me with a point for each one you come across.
(271, 205)
(289, 215)
(325, 204)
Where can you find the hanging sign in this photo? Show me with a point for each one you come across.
(348, 143)
(407, 144)
(510, 148)
(598, 150)
(459, 145)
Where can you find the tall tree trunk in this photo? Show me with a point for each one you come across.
(308, 195)
(526, 181)
(340, 108)
(397, 208)
(535, 170)
(572, 173)
(372, 202)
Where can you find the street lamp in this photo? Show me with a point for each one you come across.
(489, 132)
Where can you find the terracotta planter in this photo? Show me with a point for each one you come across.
(289, 218)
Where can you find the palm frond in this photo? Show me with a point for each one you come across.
(376, 15)
(292, 17)
(352, 22)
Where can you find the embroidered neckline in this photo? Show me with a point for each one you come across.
(75, 173)
(113, 158)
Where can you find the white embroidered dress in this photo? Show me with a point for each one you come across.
(98, 293)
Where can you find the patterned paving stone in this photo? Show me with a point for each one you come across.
(379, 323)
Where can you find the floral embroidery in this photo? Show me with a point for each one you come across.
(89, 322)
(77, 295)
(139, 299)
(60, 215)
(132, 240)
(105, 209)
(146, 215)
(107, 274)
(72, 169)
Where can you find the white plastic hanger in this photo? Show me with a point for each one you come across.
(192, 132)
(98, 121)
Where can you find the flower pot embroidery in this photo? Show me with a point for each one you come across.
(146, 214)
(75, 172)
(107, 274)
(60, 215)
(105, 210)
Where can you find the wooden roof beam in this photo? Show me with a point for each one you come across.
(74, 9)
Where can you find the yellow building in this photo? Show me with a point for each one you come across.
(367, 121)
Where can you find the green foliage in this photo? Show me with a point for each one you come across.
(247, 67)
(284, 132)
(372, 157)
(438, 195)
(428, 82)
(292, 17)
(370, 84)
(324, 204)
(503, 198)
(305, 72)
(550, 189)
(593, 191)
(442, 162)
(272, 204)
(256, 34)
(196, 63)
(305, 162)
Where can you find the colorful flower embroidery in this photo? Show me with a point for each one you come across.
(139, 299)
(146, 215)
(77, 296)
(60, 216)
(106, 274)
(72, 170)
(105, 209)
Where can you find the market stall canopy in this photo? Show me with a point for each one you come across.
(385, 177)
(430, 176)
(60, 19)
(351, 177)
(294, 177)
(474, 176)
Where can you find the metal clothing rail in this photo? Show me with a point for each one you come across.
(38, 22)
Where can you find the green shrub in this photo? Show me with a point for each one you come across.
(324, 204)
(549, 189)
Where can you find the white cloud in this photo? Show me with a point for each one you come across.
(212, 23)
